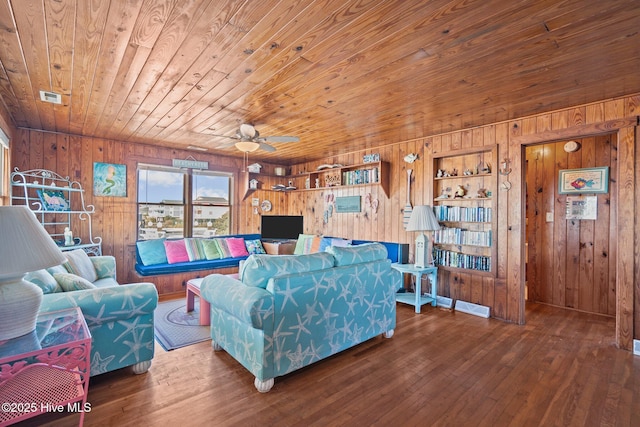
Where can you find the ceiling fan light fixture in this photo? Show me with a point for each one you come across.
(247, 146)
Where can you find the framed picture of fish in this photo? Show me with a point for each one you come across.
(109, 179)
(584, 181)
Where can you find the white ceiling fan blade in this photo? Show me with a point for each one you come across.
(267, 147)
(247, 130)
(282, 139)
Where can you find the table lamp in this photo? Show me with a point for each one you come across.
(25, 246)
(423, 219)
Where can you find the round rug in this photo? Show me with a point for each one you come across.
(179, 316)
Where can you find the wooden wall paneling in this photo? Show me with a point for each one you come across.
(586, 240)
(560, 119)
(476, 293)
(626, 282)
(477, 137)
(101, 216)
(488, 293)
(418, 186)
(549, 180)
(614, 109)
(559, 245)
(534, 211)
(528, 125)
(572, 263)
(614, 203)
(399, 170)
(515, 229)
(20, 152)
(501, 206)
(635, 292)
(601, 251)
(594, 113)
(385, 214)
(79, 228)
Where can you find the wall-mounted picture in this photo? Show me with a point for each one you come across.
(53, 200)
(109, 179)
(585, 180)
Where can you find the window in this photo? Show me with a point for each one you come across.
(175, 203)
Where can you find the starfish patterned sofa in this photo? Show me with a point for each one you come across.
(284, 312)
(119, 317)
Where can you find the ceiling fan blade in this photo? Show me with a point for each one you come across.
(267, 147)
(247, 130)
(282, 139)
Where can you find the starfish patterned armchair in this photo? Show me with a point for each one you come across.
(284, 312)
(119, 317)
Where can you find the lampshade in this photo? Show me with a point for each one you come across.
(423, 219)
(247, 146)
(25, 246)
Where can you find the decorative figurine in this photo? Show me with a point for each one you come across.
(482, 193)
(460, 191)
(68, 237)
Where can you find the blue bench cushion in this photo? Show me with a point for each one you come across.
(181, 267)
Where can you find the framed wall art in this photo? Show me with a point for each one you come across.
(109, 179)
(53, 200)
(585, 180)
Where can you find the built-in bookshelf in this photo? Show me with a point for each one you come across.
(464, 194)
(454, 259)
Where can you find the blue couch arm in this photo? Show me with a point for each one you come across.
(249, 304)
(120, 319)
(103, 305)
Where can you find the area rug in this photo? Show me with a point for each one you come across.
(175, 328)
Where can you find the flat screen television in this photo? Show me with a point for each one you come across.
(281, 227)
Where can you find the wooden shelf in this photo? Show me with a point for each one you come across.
(479, 175)
(332, 174)
(467, 207)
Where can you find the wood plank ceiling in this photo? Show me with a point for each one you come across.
(340, 74)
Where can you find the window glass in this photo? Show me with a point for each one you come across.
(211, 205)
(175, 203)
(161, 203)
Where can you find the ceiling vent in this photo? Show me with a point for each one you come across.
(51, 97)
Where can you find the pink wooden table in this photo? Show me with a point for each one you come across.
(47, 369)
(193, 289)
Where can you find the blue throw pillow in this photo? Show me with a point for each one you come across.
(357, 254)
(254, 246)
(152, 252)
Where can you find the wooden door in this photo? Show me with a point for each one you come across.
(570, 263)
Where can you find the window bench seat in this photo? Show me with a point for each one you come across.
(189, 266)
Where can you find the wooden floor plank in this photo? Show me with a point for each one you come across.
(441, 368)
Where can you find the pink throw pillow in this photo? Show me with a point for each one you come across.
(176, 251)
(237, 247)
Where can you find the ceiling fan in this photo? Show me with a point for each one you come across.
(248, 139)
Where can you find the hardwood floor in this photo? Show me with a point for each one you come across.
(440, 368)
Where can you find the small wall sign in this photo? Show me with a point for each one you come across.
(582, 207)
(191, 164)
(347, 204)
